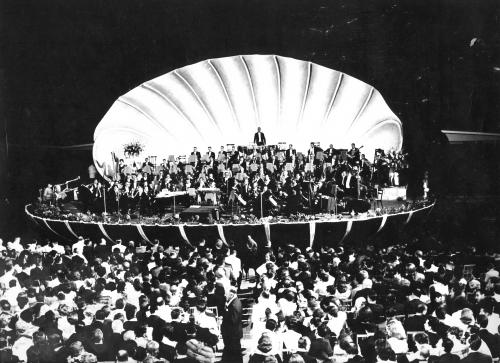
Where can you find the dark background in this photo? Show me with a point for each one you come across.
(63, 63)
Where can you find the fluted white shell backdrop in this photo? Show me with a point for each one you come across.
(224, 100)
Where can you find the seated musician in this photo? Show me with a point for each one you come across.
(245, 190)
(330, 153)
(147, 166)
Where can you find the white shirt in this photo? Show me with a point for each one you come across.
(205, 321)
(291, 340)
(235, 263)
(493, 323)
(336, 324)
(78, 246)
(287, 307)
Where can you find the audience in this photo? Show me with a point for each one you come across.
(154, 302)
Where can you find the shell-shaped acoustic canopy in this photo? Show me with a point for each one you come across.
(222, 101)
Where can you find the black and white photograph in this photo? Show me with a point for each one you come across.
(249, 181)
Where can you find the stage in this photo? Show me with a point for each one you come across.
(309, 233)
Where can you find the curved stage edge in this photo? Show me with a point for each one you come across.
(302, 234)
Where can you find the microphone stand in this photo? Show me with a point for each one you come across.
(104, 197)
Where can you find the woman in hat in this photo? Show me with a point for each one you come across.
(264, 349)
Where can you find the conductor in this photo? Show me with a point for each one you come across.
(259, 138)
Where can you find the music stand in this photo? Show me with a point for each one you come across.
(192, 159)
(189, 169)
(171, 158)
(270, 167)
(235, 168)
(309, 167)
(289, 167)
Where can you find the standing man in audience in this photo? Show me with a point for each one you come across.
(259, 138)
(231, 328)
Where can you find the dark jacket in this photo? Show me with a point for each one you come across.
(449, 358)
(491, 341)
(231, 323)
(476, 357)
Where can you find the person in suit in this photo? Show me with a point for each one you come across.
(259, 138)
(210, 153)
(353, 154)
(489, 338)
(290, 154)
(231, 327)
(448, 357)
(474, 356)
(329, 153)
(196, 153)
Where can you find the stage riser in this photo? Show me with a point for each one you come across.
(301, 234)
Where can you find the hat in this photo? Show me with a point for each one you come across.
(265, 344)
(467, 317)
(320, 349)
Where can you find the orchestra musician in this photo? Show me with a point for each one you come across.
(293, 190)
(365, 168)
(48, 193)
(330, 153)
(290, 154)
(196, 153)
(353, 154)
(210, 153)
(331, 190)
(259, 138)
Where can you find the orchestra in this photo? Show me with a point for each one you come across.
(263, 180)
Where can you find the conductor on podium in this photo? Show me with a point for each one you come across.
(259, 138)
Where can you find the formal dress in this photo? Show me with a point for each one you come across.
(232, 332)
(259, 138)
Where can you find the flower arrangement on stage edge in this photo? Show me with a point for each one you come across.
(133, 148)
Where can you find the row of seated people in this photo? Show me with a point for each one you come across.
(149, 302)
